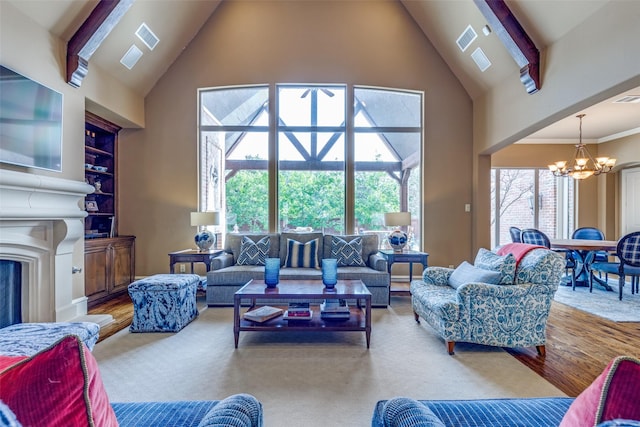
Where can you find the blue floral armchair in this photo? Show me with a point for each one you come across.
(504, 315)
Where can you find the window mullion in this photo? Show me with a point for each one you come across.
(350, 222)
(273, 159)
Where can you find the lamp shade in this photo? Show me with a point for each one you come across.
(205, 218)
(397, 219)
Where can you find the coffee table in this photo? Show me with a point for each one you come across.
(295, 290)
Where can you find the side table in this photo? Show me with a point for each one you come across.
(191, 256)
(410, 257)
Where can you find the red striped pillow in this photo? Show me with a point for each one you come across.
(60, 385)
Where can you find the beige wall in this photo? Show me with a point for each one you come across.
(294, 42)
(595, 61)
(28, 49)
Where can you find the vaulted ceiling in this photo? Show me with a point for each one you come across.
(176, 22)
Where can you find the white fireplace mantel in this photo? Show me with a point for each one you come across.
(41, 219)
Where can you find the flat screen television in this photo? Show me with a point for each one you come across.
(30, 122)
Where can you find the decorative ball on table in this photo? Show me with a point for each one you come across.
(397, 238)
(204, 238)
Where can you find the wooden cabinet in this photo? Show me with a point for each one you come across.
(109, 267)
(109, 258)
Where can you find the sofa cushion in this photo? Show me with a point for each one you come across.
(347, 253)
(614, 394)
(253, 253)
(369, 244)
(233, 242)
(405, 412)
(522, 412)
(239, 410)
(506, 264)
(466, 273)
(161, 414)
(60, 385)
(302, 254)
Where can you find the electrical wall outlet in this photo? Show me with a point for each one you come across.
(182, 268)
(451, 266)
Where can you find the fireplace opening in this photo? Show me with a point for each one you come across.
(10, 292)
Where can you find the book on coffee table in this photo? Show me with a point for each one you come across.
(262, 314)
(298, 315)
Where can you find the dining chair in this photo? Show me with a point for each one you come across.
(628, 253)
(515, 234)
(589, 233)
(533, 236)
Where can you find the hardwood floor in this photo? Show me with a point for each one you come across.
(121, 308)
(579, 345)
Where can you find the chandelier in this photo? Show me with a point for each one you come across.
(584, 164)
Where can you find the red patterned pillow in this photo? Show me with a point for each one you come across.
(613, 395)
(60, 385)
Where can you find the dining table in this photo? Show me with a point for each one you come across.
(584, 251)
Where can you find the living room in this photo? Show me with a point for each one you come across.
(273, 42)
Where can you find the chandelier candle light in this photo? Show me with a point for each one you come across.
(397, 238)
(204, 239)
(581, 168)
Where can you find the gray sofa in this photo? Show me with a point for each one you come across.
(226, 277)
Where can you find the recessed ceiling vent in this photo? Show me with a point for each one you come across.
(628, 99)
(145, 34)
(481, 59)
(131, 57)
(466, 38)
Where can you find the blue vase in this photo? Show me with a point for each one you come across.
(329, 272)
(271, 272)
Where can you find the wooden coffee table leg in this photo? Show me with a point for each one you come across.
(236, 319)
(368, 320)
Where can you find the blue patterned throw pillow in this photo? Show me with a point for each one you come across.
(467, 273)
(506, 265)
(347, 253)
(302, 254)
(253, 253)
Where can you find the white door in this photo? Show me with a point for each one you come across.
(630, 218)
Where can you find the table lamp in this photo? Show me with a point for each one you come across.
(397, 238)
(204, 238)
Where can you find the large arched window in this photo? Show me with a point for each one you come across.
(333, 157)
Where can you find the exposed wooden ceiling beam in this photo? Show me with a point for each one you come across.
(515, 39)
(103, 18)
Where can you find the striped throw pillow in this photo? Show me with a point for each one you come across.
(302, 254)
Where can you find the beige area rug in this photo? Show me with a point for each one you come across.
(319, 379)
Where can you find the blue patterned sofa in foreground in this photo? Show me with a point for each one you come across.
(610, 400)
(494, 302)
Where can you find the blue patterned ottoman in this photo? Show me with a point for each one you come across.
(27, 339)
(163, 302)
